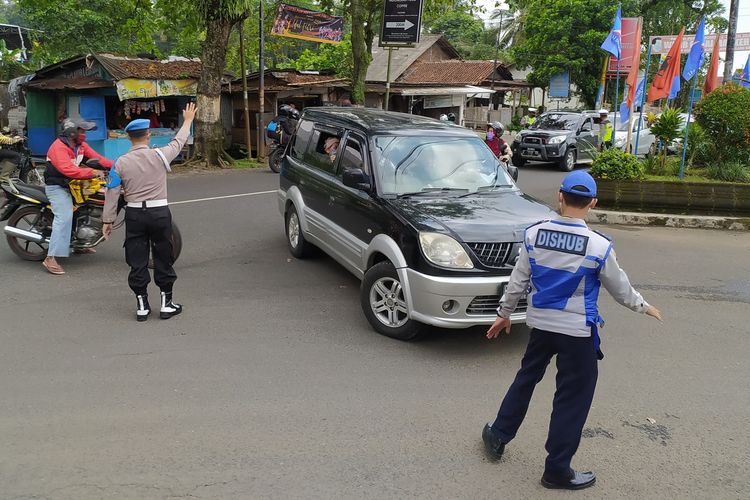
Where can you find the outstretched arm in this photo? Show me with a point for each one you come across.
(618, 285)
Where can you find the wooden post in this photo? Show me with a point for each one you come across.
(248, 140)
(261, 85)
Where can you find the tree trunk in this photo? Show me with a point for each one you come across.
(209, 133)
(360, 54)
(734, 8)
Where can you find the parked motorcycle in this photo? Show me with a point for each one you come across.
(29, 215)
(27, 171)
(275, 155)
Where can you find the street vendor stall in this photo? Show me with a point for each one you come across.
(110, 91)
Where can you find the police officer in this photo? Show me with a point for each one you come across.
(565, 263)
(141, 174)
(605, 130)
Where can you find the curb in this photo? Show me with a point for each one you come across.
(670, 220)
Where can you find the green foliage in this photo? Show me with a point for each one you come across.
(9, 66)
(730, 171)
(463, 30)
(668, 126)
(515, 124)
(725, 116)
(72, 27)
(566, 35)
(659, 166)
(333, 57)
(616, 165)
(699, 148)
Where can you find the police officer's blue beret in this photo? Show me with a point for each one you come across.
(139, 124)
(580, 183)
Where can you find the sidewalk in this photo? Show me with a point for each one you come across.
(670, 220)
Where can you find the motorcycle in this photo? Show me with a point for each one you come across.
(27, 171)
(29, 215)
(275, 155)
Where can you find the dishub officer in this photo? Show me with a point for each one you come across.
(141, 174)
(565, 263)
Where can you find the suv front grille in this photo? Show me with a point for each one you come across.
(487, 304)
(492, 254)
(532, 140)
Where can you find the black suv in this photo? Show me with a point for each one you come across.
(564, 137)
(421, 211)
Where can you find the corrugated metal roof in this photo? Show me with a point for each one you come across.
(147, 69)
(79, 83)
(453, 73)
(276, 80)
(403, 57)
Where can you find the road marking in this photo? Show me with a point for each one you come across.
(223, 197)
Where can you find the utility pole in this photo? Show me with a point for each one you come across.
(734, 8)
(248, 140)
(261, 84)
(494, 64)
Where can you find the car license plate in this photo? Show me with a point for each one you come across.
(501, 292)
(530, 152)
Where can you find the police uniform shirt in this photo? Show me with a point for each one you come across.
(143, 174)
(562, 264)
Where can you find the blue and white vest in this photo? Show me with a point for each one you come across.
(565, 260)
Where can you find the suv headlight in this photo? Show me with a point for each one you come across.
(444, 251)
(557, 139)
(519, 137)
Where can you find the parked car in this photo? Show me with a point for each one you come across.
(421, 211)
(646, 143)
(565, 138)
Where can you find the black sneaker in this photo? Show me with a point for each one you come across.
(168, 308)
(494, 446)
(144, 310)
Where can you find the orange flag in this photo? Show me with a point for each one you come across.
(664, 78)
(633, 75)
(712, 78)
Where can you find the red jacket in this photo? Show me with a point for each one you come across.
(496, 145)
(63, 163)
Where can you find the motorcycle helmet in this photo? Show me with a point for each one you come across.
(499, 128)
(443, 117)
(287, 110)
(452, 117)
(294, 114)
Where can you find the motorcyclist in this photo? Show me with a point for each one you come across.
(287, 120)
(63, 165)
(495, 141)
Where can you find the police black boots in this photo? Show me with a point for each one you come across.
(168, 308)
(143, 311)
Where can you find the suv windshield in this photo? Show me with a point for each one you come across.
(436, 164)
(556, 121)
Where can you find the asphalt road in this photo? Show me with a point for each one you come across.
(272, 385)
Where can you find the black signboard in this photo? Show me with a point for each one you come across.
(402, 22)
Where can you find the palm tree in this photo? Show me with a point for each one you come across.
(219, 17)
(510, 25)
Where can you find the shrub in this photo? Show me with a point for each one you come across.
(654, 165)
(725, 116)
(700, 148)
(616, 165)
(732, 171)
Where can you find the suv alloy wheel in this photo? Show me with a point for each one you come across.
(384, 304)
(298, 246)
(568, 162)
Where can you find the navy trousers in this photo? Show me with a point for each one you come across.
(577, 372)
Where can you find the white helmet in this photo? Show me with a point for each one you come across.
(603, 112)
(443, 117)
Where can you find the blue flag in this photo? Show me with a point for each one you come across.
(639, 91)
(746, 74)
(624, 112)
(613, 42)
(697, 51)
(675, 87)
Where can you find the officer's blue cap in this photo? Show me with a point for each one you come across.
(580, 183)
(139, 124)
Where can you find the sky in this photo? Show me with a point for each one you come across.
(743, 25)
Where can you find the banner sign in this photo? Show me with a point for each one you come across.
(132, 88)
(304, 24)
(559, 86)
(402, 22)
(630, 46)
(741, 43)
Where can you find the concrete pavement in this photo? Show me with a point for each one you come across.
(272, 384)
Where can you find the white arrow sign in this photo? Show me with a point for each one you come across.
(400, 24)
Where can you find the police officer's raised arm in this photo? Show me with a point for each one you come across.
(171, 150)
(618, 285)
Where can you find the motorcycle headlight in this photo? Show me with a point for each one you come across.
(558, 139)
(444, 251)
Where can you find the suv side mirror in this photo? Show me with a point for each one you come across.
(513, 171)
(356, 178)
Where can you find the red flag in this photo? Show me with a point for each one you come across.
(712, 78)
(633, 75)
(664, 78)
